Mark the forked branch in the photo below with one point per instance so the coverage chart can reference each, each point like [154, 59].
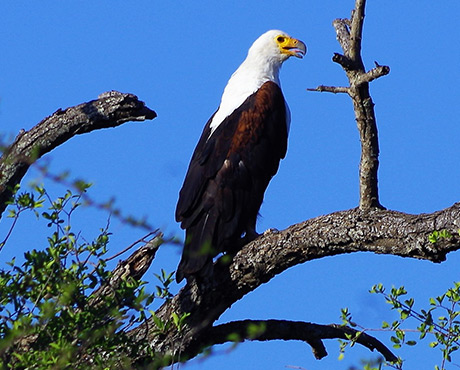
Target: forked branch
[349, 35]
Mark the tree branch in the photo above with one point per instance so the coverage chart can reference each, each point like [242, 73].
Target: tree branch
[111, 109]
[373, 74]
[349, 35]
[331, 89]
[356, 32]
[312, 334]
[135, 266]
[376, 230]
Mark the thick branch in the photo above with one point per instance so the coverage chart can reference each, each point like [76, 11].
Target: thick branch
[312, 334]
[375, 230]
[111, 109]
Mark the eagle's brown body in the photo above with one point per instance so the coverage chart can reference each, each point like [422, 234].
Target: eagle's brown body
[237, 155]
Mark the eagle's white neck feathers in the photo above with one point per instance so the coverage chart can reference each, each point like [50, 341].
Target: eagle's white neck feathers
[261, 65]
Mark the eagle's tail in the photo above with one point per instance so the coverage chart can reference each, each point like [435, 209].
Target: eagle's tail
[198, 249]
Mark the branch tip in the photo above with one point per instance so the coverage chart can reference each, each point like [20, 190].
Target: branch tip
[112, 109]
[331, 89]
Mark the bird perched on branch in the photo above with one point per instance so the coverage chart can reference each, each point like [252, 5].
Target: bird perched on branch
[237, 155]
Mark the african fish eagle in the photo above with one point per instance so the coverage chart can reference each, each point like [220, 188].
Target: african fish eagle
[237, 155]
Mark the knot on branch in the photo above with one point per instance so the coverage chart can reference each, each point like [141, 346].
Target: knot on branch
[345, 62]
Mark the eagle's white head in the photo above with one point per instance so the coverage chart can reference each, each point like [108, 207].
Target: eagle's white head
[274, 47]
[262, 64]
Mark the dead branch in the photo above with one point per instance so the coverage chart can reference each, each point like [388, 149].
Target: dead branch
[133, 267]
[331, 89]
[312, 334]
[349, 35]
[111, 109]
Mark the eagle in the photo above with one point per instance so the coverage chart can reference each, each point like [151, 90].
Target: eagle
[237, 155]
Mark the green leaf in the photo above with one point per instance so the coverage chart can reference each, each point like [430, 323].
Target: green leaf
[234, 337]
[433, 237]
[400, 334]
[175, 318]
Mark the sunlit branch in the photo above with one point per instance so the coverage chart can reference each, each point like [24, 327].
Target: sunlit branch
[111, 109]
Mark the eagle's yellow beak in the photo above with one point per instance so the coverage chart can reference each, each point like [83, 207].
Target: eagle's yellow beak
[291, 46]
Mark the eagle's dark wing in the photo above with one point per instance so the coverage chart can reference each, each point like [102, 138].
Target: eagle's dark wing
[227, 177]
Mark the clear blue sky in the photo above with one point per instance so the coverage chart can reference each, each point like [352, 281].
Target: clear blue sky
[177, 56]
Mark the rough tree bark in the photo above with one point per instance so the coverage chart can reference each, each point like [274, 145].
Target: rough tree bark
[111, 109]
[368, 227]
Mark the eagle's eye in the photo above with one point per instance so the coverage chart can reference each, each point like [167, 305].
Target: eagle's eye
[280, 39]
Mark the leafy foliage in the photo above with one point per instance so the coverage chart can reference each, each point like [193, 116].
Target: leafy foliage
[440, 321]
[437, 236]
[50, 314]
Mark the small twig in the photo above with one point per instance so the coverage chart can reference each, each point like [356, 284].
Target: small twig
[371, 75]
[342, 32]
[89, 201]
[331, 89]
[134, 267]
[2, 244]
[141, 240]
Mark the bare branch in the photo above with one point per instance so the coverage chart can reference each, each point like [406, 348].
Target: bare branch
[356, 32]
[349, 35]
[371, 75]
[343, 33]
[134, 267]
[331, 89]
[158, 237]
[312, 334]
[110, 110]
[375, 230]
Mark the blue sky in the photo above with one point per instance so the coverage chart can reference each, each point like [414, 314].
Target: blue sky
[177, 57]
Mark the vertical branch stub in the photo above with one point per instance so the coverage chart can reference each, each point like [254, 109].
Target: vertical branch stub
[349, 35]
